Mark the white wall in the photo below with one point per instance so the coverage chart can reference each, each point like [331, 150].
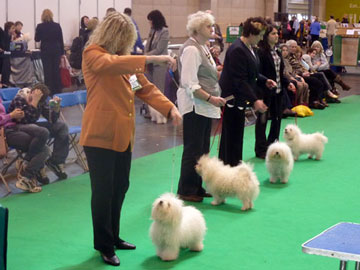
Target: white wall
[66, 12]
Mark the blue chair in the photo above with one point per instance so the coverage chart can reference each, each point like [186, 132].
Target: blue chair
[9, 93]
[6, 104]
[69, 100]
[82, 95]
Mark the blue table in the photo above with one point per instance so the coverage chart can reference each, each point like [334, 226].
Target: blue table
[341, 241]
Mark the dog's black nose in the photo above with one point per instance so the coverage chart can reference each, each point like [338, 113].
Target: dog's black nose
[161, 202]
[277, 153]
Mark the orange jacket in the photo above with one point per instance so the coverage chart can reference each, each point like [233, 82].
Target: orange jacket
[109, 118]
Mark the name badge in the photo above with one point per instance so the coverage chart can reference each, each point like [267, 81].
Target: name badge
[135, 85]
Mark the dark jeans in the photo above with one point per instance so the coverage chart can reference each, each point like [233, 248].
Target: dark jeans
[232, 136]
[275, 106]
[30, 138]
[5, 70]
[196, 136]
[316, 88]
[51, 63]
[109, 175]
[60, 132]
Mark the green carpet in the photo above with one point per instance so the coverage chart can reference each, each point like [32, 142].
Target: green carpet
[52, 229]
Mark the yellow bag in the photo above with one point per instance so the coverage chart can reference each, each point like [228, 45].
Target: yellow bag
[302, 111]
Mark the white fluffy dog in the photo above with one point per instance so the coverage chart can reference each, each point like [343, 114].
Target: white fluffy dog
[279, 162]
[312, 144]
[156, 116]
[175, 226]
[224, 181]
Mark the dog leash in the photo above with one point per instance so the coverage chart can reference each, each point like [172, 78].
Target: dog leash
[173, 159]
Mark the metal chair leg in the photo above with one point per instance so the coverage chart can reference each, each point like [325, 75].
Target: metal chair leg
[343, 265]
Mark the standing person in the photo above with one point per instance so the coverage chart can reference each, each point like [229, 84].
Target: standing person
[315, 30]
[8, 36]
[50, 35]
[272, 66]
[330, 30]
[83, 25]
[240, 78]
[157, 44]
[138, 43]
[109, 122]
[199, 101]
[18, 27]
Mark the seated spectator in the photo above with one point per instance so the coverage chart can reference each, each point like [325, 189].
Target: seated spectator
[18, 27]
[321, 63]
[301, 96]
[31, 139]
[316, 86]
[34, 105]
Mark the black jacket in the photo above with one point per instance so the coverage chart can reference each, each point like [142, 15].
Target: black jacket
[267, 68]
[51, 37]
[240, 76]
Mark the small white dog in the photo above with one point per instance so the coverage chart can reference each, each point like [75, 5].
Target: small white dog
[279, 162]
[175, 226]
[224, 181]
[156, 116]
[312, 144]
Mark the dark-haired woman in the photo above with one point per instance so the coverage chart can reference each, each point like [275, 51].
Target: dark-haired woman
[83, 25]
[272, 66]
[157, 44]
[241, 78]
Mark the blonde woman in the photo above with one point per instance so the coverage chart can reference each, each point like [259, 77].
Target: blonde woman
[321, 63]
[113, 78]
[50, 35]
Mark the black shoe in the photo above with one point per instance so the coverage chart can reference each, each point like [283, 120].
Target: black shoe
[57, 169]
[112, 260]
[42, 177]
[124, 245]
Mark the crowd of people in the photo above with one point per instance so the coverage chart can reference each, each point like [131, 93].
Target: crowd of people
[258, 72]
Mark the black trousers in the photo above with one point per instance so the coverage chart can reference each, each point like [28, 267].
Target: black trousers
[232, 135]
[196, 136]
[316, 88]
[51, 63]
[109, 175]
[275, 106]
[5, 70]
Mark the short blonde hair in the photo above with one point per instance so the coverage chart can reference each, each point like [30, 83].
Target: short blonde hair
[197, 20]
[116, 34]
[92, 24]
[47, 15]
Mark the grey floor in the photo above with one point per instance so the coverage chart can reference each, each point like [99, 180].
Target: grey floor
[152, 138]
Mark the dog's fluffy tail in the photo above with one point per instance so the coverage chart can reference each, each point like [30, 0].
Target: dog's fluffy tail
[321, 137]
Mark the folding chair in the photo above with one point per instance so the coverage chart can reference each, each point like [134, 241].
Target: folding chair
[71, 100]
[4, 217]
[8, 93]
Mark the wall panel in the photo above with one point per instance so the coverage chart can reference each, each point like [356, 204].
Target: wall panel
[2, 13]
[69, 20]
[88, 8]
[120, 5]
[25, 15]
[41, 5]
[103, 6]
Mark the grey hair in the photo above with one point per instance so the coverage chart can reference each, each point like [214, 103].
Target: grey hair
[197, 20]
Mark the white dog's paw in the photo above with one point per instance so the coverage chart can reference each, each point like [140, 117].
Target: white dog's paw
[217, 202]
[284, 181]
[168, 256]
[310, 156]
[272, 180]
[197, 247]
[245, 208]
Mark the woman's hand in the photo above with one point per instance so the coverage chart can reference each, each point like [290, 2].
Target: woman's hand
[162, 59]
[260, 106]
[17, 114]
[270, 84]
[217, 101]
[292, 87]
[175, 116]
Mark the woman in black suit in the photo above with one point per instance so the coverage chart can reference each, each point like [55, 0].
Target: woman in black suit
[271, 66]
[240, 78]
[52, 47]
